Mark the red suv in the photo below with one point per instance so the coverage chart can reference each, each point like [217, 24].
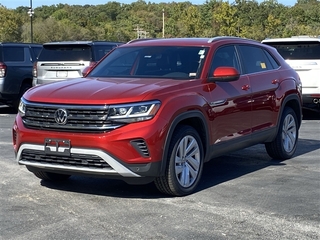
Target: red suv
[157, 110]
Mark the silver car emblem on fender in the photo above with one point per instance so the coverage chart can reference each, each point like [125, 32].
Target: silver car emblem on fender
[61, 116]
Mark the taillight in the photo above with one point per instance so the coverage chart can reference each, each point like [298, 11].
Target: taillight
[3, 69]
[34, 70]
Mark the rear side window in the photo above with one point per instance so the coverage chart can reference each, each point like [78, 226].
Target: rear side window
[297, 50]
[65, 53]
[13, 54]
[255, 59]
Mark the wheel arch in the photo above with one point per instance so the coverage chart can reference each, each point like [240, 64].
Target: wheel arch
[26, 80]
[295, 103]
[194, 119]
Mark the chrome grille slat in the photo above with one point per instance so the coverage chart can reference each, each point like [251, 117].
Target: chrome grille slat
[75, 160]
[80, 118]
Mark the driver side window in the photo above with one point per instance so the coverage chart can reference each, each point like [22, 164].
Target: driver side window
[225, 57]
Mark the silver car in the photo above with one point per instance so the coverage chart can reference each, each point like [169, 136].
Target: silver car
[68, 59]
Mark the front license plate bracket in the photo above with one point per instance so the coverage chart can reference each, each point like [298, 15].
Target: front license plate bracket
[61, 147]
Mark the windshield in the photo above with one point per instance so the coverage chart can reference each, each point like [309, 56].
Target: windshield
[65, 53]
[152, 62]
[297, 50]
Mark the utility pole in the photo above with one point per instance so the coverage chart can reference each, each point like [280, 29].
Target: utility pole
[163, 22]
[141, 33]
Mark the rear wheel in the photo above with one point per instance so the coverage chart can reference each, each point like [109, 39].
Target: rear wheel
[185, 163]
[285, 143]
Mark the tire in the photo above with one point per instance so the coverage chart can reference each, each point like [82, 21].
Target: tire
[285, 144]
[185, 163]
[54, 177]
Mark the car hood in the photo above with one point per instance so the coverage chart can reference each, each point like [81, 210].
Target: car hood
[100, 91]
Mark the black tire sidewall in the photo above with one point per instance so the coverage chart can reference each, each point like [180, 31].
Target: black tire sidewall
[179, 134]
[288, 111]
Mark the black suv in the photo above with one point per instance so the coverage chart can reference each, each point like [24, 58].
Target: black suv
[16, 61]
[68, 59]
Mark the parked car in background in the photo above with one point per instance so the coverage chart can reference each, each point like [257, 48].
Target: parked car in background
[302, 53]
[68, 59]
[157, 110]
[16, 62]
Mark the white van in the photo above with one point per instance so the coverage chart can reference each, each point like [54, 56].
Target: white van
[302, 53]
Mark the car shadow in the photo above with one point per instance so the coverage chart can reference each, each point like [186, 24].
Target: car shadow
[311, 115]
[222, 169]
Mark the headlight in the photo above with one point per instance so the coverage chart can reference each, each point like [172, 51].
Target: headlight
[135, 112]
[22, 108]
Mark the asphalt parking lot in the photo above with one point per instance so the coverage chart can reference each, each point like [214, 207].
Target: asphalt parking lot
[243, 195]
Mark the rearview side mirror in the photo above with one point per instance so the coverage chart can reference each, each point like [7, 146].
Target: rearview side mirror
[224, 74]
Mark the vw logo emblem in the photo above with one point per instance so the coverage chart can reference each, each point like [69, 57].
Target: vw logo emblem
[61, 116]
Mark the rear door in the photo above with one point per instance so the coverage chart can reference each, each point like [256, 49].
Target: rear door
[261, 69]
[19, 67]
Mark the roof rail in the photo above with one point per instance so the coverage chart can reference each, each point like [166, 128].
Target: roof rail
[221, 37]
[139, 40]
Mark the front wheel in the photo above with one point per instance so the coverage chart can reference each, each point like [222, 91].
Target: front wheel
[185, 163]
[285, 144]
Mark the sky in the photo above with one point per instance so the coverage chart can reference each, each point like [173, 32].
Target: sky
[12, 4]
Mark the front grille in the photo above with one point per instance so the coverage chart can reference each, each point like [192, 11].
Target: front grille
[79, 118]
[74, 160]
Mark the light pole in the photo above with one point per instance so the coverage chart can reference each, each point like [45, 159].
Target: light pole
[163, 23]
[31, 12]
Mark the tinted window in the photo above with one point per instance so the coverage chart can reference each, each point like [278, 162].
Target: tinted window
[168, 62]
[254, 59]
[13, 54]
[297, 50]
[225, 56]
[273, 62]
[65, 53]
[101, 50]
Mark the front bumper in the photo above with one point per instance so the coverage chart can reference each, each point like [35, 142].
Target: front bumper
[115, 153]
[87, 161]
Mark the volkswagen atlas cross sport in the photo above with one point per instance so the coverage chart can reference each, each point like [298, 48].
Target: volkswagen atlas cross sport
[157, 110]
[302, 53]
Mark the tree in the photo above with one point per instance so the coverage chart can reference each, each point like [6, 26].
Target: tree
[10, 25]
[225, 16]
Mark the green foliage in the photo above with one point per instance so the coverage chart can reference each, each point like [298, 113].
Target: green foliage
[10, 23]
[123, 22]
